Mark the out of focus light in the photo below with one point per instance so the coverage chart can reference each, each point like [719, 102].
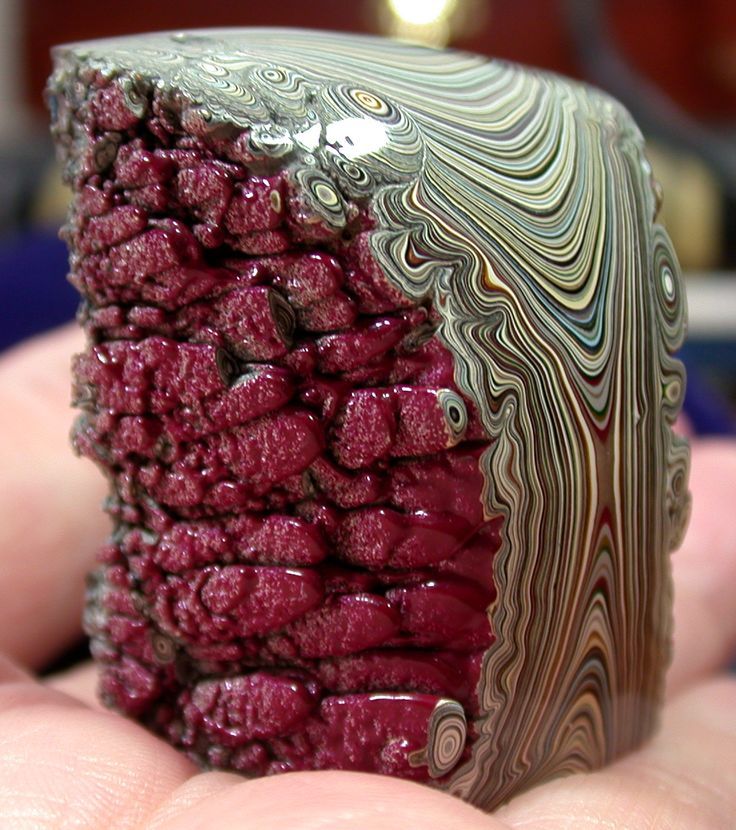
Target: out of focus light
[422, 12]
[432, 22]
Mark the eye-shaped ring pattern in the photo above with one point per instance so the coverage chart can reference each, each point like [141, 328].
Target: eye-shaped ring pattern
[321, 197]
[456, 413]
[448, 732]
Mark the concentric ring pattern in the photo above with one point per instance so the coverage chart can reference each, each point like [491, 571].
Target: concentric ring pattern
[522, 205]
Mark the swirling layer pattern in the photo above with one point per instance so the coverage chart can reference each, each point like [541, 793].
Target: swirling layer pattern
[522, 205]
[447, 733]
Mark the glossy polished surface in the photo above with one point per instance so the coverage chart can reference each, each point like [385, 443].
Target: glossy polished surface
[522, 207]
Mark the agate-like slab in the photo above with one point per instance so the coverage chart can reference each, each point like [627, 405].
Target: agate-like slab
[381, 372]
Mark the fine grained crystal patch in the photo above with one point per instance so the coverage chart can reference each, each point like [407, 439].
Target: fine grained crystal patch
[380, 372]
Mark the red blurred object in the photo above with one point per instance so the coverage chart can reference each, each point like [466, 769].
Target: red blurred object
[688, 49]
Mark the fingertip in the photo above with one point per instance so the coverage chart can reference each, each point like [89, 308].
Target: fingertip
[704, 569]
[324, 800]
[79, 682]
[50, 517]
[11, 672]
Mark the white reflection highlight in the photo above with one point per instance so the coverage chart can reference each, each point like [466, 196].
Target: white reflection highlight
[309, 139]
[356, 137]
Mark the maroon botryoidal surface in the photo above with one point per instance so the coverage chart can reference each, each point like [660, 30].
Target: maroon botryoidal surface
[300, 569]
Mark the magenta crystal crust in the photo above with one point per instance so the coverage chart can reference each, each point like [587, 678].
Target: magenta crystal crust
[301, 566]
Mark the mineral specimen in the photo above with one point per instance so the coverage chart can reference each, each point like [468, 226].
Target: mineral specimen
[380, 373]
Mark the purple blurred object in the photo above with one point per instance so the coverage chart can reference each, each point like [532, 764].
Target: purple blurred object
[34, 294]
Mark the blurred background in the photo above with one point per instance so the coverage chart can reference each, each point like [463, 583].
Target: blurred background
[672, 62]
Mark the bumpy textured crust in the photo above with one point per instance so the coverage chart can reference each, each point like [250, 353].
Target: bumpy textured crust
[522, 206]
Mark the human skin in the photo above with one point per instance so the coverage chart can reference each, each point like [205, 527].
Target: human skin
[66, 762]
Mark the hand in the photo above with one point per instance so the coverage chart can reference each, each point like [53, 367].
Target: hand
[65, 762]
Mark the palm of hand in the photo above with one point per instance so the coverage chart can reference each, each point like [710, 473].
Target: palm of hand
[65, 762]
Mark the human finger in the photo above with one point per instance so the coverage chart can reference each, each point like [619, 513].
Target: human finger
[79, 682]
[50, 517]
[63, 764]
[325, 800]
[704, 570]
